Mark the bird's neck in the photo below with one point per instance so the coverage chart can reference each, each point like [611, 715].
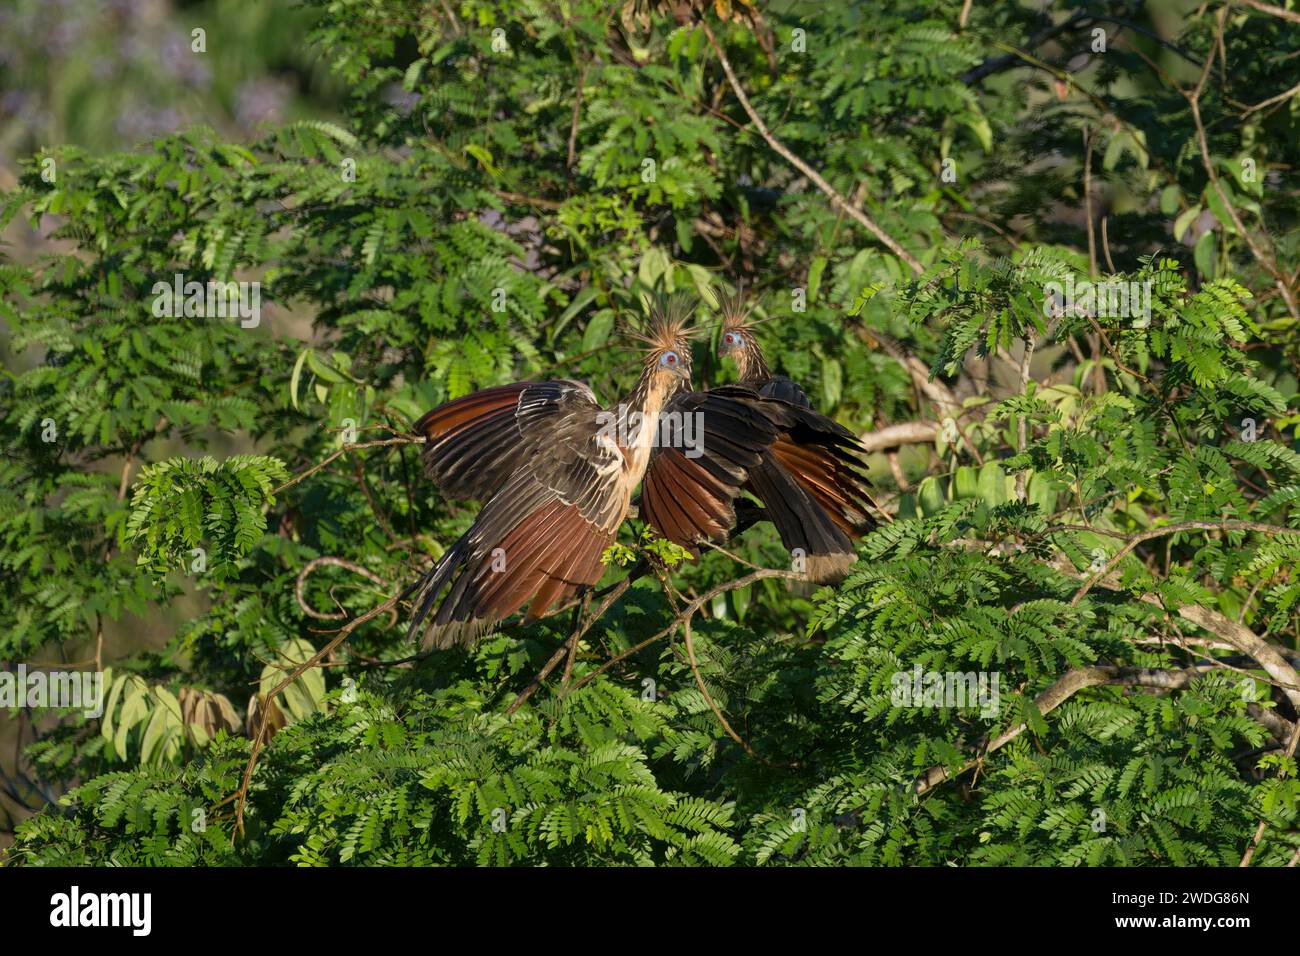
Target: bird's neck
[750, 365]
[640, 420]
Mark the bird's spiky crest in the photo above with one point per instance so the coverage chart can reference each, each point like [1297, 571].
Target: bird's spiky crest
[735, 311]
[668, 326]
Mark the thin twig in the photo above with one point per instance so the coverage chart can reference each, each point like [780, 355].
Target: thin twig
[1265, 257]
[1022, 423]
[356, 446]
[329, 561]
[836, 197]
[260, 737]
[613, 594]
[1284, 95]
[1105, 244]
[1167, 530]
[579, 615]
[1087, 202]
[577, 113]
[708, 698]
[683, 619]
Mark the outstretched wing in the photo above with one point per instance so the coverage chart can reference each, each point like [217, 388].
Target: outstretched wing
[829, 462]
[808, 471]
[540, 536]
[711, 443]
[475, 443]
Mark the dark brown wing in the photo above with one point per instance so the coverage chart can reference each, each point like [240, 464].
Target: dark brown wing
[540, 536]
[807, 470]
[807, 529]
[813, 483]
[829, 462]
[475, 443]
[713, 440]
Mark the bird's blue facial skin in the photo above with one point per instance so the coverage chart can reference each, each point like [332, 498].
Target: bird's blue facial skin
[732, 340]
[671, 361]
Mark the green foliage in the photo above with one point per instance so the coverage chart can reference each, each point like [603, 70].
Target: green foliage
[488, 211]
[666, 552]
[183, 502]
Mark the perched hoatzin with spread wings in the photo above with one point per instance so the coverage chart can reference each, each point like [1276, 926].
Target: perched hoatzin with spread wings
[546, 460]
[556, 472]
[813, 478]
[807, 470]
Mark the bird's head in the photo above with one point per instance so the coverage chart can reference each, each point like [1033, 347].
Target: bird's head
[737, 325]
[667, 341]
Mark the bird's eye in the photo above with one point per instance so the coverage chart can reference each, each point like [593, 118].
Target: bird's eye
[731, 338]
[669, 360]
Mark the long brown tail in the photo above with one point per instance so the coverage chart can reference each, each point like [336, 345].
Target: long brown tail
[522, 549]
[808, 530]
[835, 477]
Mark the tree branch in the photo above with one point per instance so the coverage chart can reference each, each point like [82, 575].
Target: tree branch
[1273, 11]
[836, 197]
[1167, 530]
[260, 737]
[902, 433]
[1265, 257]
[1237, 635]
[356, 446]
[329, 561]
[1062, 690]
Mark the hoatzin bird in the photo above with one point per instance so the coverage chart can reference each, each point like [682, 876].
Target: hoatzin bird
[556, 474]
[813, 479]
[810, 475]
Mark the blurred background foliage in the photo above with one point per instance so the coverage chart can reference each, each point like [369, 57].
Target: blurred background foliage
[114, 74]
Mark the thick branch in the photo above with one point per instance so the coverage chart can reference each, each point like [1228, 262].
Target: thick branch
[903, 433]
[1056, 695]
[1245, 640]
[933, 389]
[1270, 659]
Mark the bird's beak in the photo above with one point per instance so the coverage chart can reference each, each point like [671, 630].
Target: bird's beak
[682, 372]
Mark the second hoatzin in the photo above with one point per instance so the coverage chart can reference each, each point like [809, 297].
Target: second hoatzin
[820, 458]
[811, 478]
[556, 474]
